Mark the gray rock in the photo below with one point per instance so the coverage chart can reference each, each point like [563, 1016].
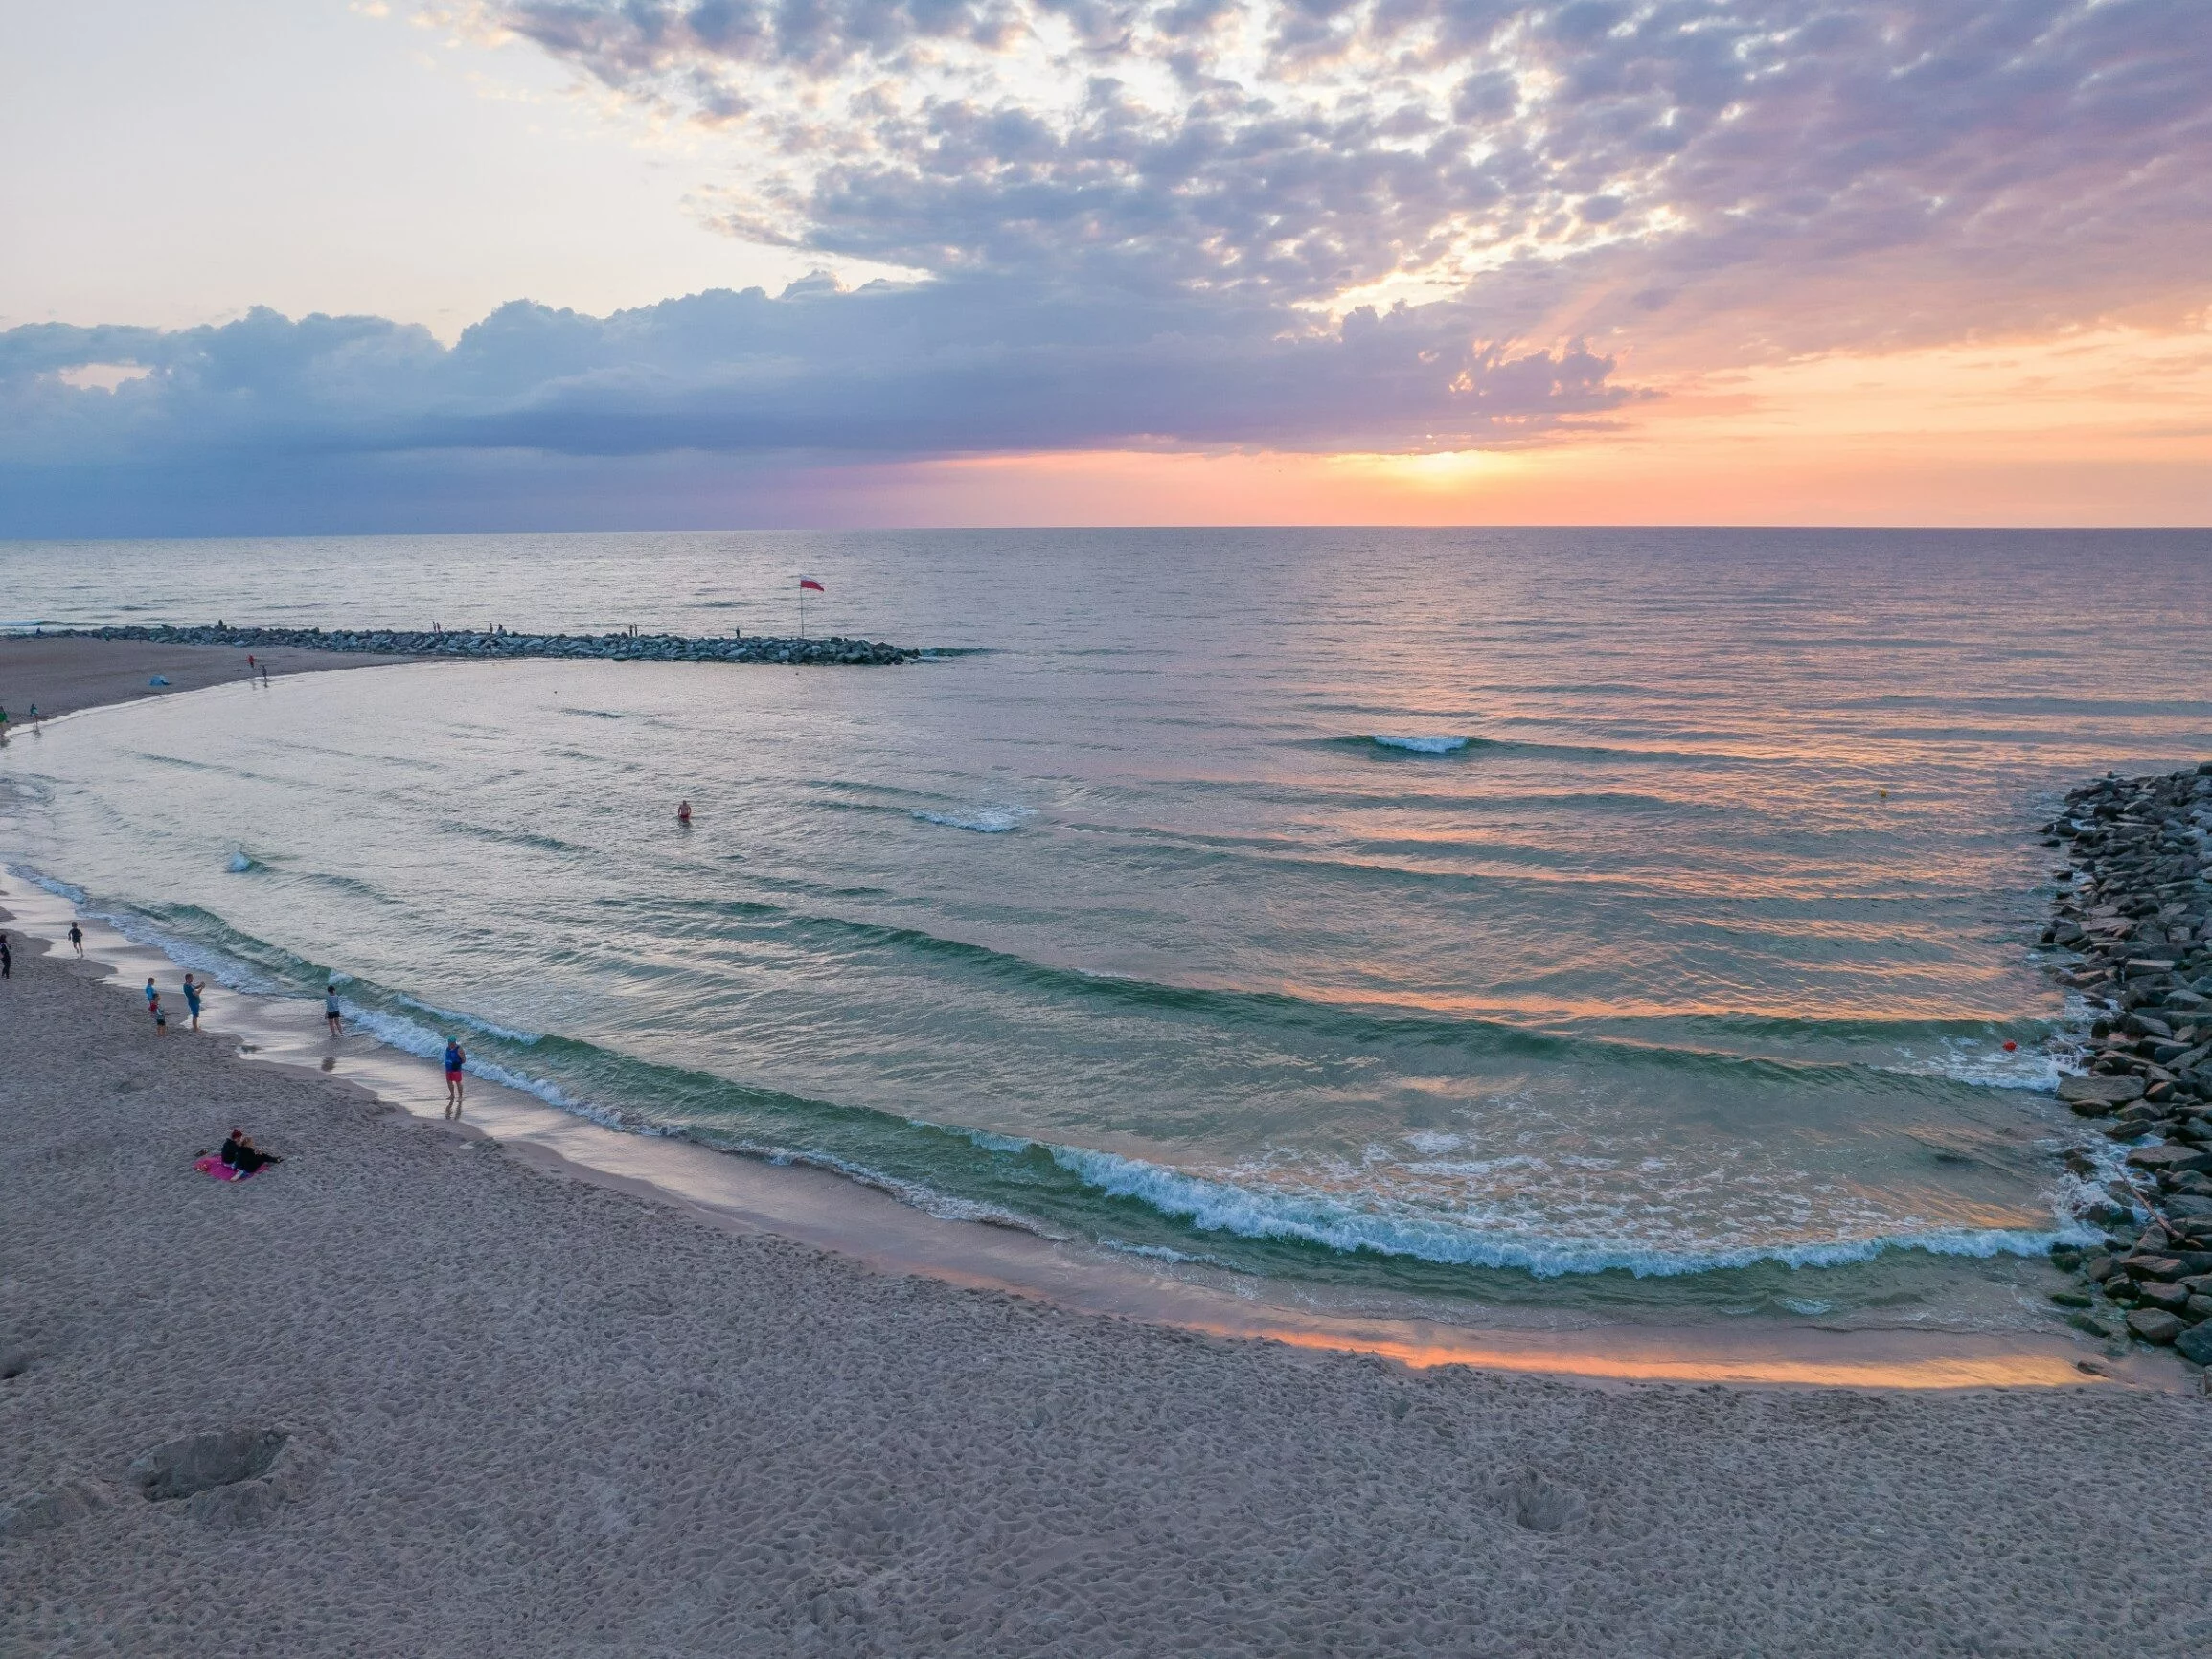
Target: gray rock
[2161, 1267]
[2169, 1158]
[2104, 1091]
[2172, 1298]
[2195, 1344]
[2154, 1325]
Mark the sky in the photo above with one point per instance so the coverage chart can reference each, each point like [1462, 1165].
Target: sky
[278, 267]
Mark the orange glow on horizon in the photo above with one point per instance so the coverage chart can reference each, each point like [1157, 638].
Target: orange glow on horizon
[2110, 428]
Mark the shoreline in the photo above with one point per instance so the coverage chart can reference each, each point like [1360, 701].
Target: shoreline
[846, 1213]
[60, 674]
[847, 1217]
[395, 1394]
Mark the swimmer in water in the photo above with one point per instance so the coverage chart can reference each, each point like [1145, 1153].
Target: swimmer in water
[683, 811]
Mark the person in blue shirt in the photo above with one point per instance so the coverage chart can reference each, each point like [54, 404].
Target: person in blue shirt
[456, 1056]
[191, 994]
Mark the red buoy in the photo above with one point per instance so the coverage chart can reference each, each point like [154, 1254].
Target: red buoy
[2010, 1045]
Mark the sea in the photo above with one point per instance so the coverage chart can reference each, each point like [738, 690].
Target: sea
[1586, 925]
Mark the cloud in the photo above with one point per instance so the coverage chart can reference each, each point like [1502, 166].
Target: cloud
[971, 365]
[2001, 163]
[1383, 225]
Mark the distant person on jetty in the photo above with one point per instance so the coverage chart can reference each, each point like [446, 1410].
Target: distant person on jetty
[192, 996]
[333, 1016]
[77, 939]
[456, 1056]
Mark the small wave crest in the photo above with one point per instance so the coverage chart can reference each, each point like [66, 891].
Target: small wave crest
[239, 863]
[1420, 745]
[987, 821]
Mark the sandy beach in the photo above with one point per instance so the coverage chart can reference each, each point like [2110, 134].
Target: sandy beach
[529, 1415]
[63, 675]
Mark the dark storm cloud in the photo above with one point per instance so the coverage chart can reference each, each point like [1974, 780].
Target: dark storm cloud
[971, 365]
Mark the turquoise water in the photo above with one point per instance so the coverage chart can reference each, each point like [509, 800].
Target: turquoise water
[1620, 920]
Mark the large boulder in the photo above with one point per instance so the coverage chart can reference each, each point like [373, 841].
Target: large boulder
[2103, 1093]
[2170, 1159]
[2154, 1325]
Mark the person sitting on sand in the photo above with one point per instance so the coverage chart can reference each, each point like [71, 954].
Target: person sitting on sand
[332, 1014]
[241, 1154]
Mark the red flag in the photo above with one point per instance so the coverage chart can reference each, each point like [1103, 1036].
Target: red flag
[810, 582]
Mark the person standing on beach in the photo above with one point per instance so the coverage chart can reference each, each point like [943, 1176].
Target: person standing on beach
[7, 959]
[160, 1018]
[332, 1014]
[77, 939]
[191, 993]
[153, 996]
[456, 1056]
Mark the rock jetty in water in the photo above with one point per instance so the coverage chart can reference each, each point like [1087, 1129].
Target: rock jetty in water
[2133, 916]
[624, 648]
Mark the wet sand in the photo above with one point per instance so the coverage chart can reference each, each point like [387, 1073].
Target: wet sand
[527, 1414]
[63, 675]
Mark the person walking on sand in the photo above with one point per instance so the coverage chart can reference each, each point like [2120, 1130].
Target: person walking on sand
[456, 1056]
[191, 994]
[332, 1014]
[77, 939]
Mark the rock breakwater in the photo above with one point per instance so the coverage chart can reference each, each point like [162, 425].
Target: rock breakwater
[628, 647]
[2133, 922]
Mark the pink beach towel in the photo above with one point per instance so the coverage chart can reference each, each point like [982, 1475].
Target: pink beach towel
[211, 1165]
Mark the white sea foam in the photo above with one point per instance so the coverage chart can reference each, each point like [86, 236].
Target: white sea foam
[447, 1016]
[1985, 1065]
[1217, 1206]
[914, 1195]
[984, 821]
[202, 959]
[1419, 746]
